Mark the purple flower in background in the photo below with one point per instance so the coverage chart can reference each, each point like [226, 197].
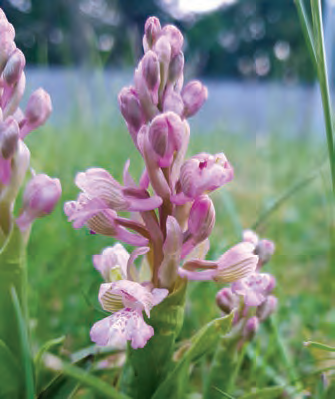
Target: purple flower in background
[254, 288]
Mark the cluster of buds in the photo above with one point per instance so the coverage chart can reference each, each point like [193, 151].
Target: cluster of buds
[171, 212]
[250, 297]
[42, 192]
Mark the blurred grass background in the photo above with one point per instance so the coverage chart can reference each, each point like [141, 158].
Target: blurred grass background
[64, 284]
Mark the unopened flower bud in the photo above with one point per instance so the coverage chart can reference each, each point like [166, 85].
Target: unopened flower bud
[131, 109]
[250, 328]
[268, 307]
[7, 45]
[174, 37]
[173, 102]
[176, 67]
[163, 50]
[152, 30]
[39, 199]
[194, 95]
[151, 74]
[11, 98]
[264, 249]
[227, 300]
[9, 137]
[38, 110]
[250, 236]
[166, 136]
[14, 67]
[201, 219]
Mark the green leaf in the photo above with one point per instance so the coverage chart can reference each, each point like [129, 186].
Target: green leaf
[146, 368]
[45, 348]
[10, 372]
[318, 345]
[25, 348]
[12, 274]
[204, 341]
[61, 389]
[265, 393]
[63, 386]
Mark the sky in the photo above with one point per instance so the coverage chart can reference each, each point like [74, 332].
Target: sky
[182, 8]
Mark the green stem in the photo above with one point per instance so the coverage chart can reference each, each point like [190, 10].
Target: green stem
[323, 81]
[306, 30]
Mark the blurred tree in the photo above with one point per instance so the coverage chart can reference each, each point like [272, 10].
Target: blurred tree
[255, 39]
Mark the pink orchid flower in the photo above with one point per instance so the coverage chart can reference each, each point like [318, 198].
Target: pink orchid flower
[201, 174]
[126, 300]
[235, 264]
[112, 263]
[254, 288]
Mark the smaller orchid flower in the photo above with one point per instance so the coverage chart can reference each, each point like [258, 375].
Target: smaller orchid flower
[39, 199]
[126, 300]
[254, 288]
[201, 174]
[112, 263]
[236, 263]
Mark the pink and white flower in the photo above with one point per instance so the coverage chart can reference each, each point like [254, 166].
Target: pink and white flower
[202, 174]
[254, 288]
[236, 263]
[112, 263]
[126, 300]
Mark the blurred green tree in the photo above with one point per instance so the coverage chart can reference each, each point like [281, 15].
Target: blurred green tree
[257, 39]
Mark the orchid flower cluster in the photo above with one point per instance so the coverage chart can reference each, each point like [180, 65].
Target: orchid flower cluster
[42, 192]
[250, 297]
[171, 212]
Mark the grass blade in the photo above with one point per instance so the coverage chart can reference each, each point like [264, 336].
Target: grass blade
[25, 348]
